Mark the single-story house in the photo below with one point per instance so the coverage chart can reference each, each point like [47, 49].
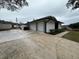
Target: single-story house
[45, 24]
[5, 25]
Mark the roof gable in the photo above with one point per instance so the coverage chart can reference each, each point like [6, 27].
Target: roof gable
[46, 19]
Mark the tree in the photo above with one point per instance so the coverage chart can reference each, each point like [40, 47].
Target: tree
[13, 4]
[74, 25]
[73, 3]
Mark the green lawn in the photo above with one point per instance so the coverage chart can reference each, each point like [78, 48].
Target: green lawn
[73, 35]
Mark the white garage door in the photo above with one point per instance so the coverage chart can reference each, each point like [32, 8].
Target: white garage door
[41, 26]
[33, 26]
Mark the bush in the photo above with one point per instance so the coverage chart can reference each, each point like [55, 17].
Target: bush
[56, 31]
[74, 25]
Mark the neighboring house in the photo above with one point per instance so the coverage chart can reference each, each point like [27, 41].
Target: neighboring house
[5, 25]
[45, 24]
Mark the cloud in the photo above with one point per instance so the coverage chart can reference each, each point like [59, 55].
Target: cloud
[41, 8]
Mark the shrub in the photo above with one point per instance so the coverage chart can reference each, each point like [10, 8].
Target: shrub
[56, 31]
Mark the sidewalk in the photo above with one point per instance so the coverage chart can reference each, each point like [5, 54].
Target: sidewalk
[62, 34]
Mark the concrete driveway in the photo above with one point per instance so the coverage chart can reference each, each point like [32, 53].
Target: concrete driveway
[38, 45]
[11, 35]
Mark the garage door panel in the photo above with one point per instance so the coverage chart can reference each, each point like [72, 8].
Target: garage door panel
[33, 26]
[41, 26]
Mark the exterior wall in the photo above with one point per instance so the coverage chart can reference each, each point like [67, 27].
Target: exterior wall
[33, 26]
[59, 26]
[50, 25]
[41, 26]
[5, 26]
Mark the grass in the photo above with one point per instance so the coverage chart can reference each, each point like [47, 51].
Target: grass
[73, 35]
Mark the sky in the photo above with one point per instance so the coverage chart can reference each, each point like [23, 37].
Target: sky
[41, 8]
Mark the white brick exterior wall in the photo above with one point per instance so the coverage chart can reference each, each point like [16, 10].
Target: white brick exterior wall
[50, 25]
[59, 26]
